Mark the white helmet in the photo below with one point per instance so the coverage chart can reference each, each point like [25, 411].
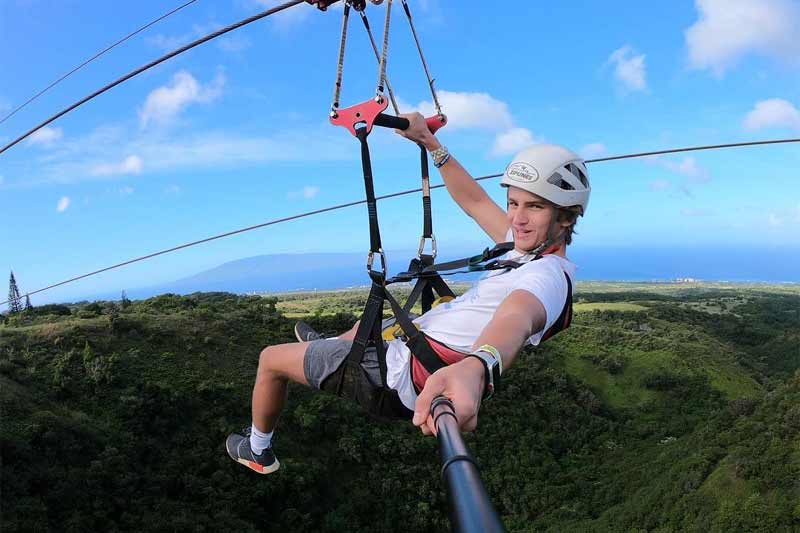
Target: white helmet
[552, 172]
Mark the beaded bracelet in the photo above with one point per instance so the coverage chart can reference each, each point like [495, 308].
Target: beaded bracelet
[442, 161]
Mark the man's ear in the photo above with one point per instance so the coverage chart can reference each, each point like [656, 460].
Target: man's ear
[566, 217]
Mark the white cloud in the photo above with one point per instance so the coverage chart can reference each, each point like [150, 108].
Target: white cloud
[171, 42]
[470, 110]
[629, 68]
[289, 18]
[660, 185]
[105, 152]
[592, 150]
[774, 112]
[63, 204]
[164, 103]
[234, 43]
[132, 164]
[126, 191]
[686, 167]
[172, 189]
[478, 111]
[512, 141]
[693, 212]
[231, 42]
[45, 136]
[216, 149]
[729, 29]
[780, 217]
[307, 192]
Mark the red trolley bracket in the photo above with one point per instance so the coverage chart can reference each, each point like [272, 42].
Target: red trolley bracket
[361, 115]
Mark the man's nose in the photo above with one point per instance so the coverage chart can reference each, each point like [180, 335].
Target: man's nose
[520, 217]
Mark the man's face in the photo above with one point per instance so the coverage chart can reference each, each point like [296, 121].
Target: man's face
[529, 216]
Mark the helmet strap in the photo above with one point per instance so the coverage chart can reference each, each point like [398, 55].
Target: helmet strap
[551, 243]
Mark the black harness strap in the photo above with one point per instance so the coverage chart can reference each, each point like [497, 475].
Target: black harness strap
[565, 318]
[416, 341]
[372, 205]
[427, 224]
[369, 329]
[487, 260]
[427, 287]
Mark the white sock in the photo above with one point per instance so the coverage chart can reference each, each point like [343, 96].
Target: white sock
[259, 440]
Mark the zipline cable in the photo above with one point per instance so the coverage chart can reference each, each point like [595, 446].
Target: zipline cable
[384, 197]
[98, 54]
[691, 149]
[152, 64]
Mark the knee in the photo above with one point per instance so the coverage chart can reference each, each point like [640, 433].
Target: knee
[266, 361]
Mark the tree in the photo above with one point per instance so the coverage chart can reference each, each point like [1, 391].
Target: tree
[28, 305]
[14, 305]
[125, 301]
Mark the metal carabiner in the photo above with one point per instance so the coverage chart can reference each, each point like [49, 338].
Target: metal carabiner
[371, 259]
[422, 246]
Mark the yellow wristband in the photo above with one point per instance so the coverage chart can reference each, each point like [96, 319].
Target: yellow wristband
[488, 348]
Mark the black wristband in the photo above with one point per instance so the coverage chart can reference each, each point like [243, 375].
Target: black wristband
[488, 389]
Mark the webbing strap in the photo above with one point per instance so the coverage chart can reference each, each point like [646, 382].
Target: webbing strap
[417, 341]
[427, 224]
[426, 286]
[564, 319]
[369, 332]
[372, 206]
[475, 263]
[487, 254]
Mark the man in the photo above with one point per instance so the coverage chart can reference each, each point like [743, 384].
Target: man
[487, 326]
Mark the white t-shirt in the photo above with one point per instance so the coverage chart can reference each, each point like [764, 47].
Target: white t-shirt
[458, 323]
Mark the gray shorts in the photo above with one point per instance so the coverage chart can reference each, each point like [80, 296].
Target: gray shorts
[326, 368]
[324, 357]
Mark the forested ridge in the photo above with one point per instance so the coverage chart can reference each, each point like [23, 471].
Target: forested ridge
[657, 411]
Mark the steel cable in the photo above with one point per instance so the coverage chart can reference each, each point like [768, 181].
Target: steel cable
[98, 54]
[152, 64]
[384, 197]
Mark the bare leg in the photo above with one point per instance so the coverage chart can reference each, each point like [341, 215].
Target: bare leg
[351, 333]
[277, 365]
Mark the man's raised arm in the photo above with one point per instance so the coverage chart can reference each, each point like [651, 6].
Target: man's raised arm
[467, 193]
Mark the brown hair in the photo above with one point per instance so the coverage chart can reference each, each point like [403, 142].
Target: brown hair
[568, 214]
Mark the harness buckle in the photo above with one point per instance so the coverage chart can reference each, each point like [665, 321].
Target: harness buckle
[371, 259]
[422, 246]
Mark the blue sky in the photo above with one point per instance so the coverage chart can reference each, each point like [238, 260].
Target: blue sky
[235, 132]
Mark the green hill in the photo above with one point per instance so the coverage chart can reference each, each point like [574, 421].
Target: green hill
[662, 409]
